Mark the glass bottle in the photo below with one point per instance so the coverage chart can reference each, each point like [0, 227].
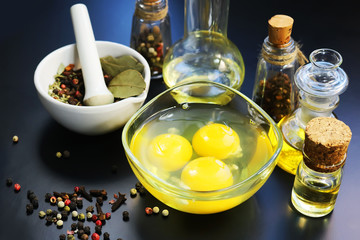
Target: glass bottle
[320, 83]
[150, 33]
[315, 191]
[274, 88]
[205, 53]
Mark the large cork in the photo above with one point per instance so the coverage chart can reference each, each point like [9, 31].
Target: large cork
[326, 143]
[280, 27]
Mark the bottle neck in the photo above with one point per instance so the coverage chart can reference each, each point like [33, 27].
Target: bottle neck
[206, 15]
[279, 54]
[151, 10]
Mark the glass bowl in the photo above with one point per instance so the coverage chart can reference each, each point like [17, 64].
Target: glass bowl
[183, 110]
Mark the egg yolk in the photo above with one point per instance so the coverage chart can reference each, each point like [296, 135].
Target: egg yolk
[216, 140]
[169, 152]
[206, 174]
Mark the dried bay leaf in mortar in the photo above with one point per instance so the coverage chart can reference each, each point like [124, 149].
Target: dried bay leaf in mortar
[128, 83]
[114, 66]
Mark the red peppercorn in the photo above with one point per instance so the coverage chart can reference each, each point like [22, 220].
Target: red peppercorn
[67, 202]
[94, 218]
[77, 94]
[63, 86]
[108, 215]
[95, 236]
[76, 189]
[148, 210]
[98, 222]
[75, 81]
[17, 187]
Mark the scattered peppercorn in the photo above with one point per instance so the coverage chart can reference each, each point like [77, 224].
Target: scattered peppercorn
[81, 217]
[58, 154]
[53, 200]
[64, 215]
[108, 215]
[15, 139]
[106, 236]
[29, 208]
[89, 215]
[74, 214]
[61, 204]
[47, 197]
[125, 215]
[94, 218]
[59, 223]
[76, 189]
[156, 210]
[80, 232]
[95, 236]
[67, 208]
[85, 236]
[17, 187]
[98, 229]
[66, 154]
[98, 223]
[142, 191]
[72, 206]
[87, 230]
[138, 185]
[133, 192]
[148, 210]
[62, 237]
[42, 214]
[79, 203]
[9, 182]
[80, 225]
[71, 237]
[165, 212]
[48, 212]
[67, 202]
[59, 216]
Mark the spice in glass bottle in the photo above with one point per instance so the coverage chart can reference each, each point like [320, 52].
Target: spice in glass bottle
[318, 176]
[280, 57]
[150, 32]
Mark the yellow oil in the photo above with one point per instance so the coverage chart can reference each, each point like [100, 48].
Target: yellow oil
[290, 157]
[255, 151]
[313, 199]
[214, 61]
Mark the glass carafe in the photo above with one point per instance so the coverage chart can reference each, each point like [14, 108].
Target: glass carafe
[320, 83]
[205, 53]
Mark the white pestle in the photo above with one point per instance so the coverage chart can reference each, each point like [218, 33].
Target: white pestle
[96, 92]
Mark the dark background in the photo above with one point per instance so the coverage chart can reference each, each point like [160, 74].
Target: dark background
[32, 29]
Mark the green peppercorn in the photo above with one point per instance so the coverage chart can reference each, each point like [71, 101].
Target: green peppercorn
[15, 139]
[67, 208]
[42, 214]
[133, 192]
[81, 217]
[48, 212]
[58, 154]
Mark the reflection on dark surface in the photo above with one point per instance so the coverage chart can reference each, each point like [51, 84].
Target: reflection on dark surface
[91, 157]
[237, 223]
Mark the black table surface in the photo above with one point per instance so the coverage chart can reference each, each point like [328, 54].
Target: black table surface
[32, 29]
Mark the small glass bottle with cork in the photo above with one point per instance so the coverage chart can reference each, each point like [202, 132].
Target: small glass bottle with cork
[150, 33]
[319, 174]
[280, 57]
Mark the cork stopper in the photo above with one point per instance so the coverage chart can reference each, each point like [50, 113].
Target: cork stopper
[326, 143]
[280, 27]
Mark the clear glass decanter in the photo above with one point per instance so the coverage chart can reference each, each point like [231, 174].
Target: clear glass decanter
[320, 83]
[205, 52]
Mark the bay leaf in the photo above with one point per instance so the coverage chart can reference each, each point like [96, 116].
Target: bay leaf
[128, 83]
[114, 66]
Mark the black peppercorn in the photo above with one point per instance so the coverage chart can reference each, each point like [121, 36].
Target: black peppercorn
[80, 233]
[64, 215]
[62, 237]
[72, 206]
[79, 203]
[66, 154]
[98, 229]
[73, 226]
[87, 230]
[29, 208]
[35, 202]
[125, 215]
[80, 225]
[106, 236]
[30, 194]
[47, 197]
[142, 191]
[138, 185]
[9, 182]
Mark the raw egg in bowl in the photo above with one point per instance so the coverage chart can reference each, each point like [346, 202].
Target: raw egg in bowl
[202, 153]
